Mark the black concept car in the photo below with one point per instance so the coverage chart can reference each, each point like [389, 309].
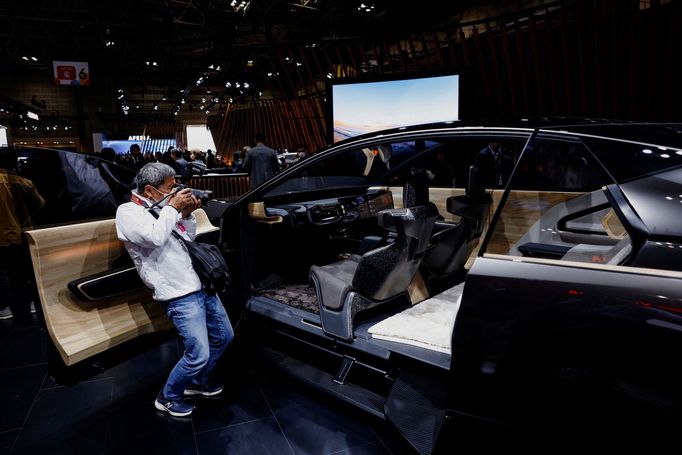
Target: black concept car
[470, 285]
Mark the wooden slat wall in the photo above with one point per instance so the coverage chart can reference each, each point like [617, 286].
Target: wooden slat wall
[222, 186]
[285, 124]
[567, 58]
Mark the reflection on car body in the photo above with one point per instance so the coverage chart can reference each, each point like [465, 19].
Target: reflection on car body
[563, 280]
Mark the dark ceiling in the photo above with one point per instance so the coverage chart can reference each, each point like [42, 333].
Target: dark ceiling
[162, 41]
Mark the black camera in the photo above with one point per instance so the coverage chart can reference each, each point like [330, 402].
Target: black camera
[203, 195]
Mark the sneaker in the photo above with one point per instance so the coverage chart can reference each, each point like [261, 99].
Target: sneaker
[33, 308]
[6, 313]
[176, 408]
[205, 390]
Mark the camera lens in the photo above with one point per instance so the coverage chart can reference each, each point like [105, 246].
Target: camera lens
[203, 195]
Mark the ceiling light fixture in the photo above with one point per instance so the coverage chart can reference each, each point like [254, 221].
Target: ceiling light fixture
[366, 7]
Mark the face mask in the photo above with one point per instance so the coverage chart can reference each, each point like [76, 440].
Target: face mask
[166, 198]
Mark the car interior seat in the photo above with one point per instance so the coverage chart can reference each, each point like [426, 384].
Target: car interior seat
[378, 276]
[451, 244]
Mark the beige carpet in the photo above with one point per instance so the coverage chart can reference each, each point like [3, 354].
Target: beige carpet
[427, 325]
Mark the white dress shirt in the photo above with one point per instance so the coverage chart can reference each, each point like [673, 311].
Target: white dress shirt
[159, 257]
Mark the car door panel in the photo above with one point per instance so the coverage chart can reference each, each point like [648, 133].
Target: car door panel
[537, 343]
[77, 328]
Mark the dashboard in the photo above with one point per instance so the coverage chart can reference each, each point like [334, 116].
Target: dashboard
[338, 210]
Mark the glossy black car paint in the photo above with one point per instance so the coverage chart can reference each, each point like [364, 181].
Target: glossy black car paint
[557, 349]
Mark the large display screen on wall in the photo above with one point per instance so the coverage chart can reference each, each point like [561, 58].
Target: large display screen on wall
[359, 108]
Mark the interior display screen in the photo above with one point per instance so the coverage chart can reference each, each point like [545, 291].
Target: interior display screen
[367, 206]
[359, 108]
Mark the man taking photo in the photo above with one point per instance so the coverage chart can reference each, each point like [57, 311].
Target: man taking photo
[164, 265]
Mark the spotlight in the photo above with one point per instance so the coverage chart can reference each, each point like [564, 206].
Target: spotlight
[246, 85]
[34, 59]
[24, 58]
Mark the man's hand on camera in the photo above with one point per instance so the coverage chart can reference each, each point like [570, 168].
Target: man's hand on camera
[195, 204]
[184, 202]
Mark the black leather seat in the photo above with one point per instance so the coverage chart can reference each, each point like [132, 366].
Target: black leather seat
[346, 287]
[452, 243]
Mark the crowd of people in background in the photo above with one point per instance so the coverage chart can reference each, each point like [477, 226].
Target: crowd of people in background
[259, 161]
[185, 162]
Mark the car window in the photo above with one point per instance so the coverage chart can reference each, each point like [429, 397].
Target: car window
[362, 166]
[75, 187]
[447, 161]
[564, 205]
[630, 160]
[556, 208]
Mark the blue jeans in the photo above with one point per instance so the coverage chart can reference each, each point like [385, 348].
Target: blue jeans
[205, 330]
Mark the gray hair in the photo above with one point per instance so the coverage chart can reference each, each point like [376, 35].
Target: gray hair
[153, 174]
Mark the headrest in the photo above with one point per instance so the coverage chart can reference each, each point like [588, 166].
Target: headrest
[414, 222]
[416, 188]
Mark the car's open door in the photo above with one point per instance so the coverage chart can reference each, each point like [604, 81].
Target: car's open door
[90, 299]
[86, 324]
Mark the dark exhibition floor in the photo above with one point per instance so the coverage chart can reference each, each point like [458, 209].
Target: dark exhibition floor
[259, 412]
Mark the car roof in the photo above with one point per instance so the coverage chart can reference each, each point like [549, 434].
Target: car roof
[665, 134]
[669, 134]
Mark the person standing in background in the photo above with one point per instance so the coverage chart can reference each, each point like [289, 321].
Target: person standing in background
[19, 201]
[136, 160]
[261, 162]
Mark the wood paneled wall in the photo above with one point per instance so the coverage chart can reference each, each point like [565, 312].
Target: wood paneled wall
[582, 58]
[285, 124]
